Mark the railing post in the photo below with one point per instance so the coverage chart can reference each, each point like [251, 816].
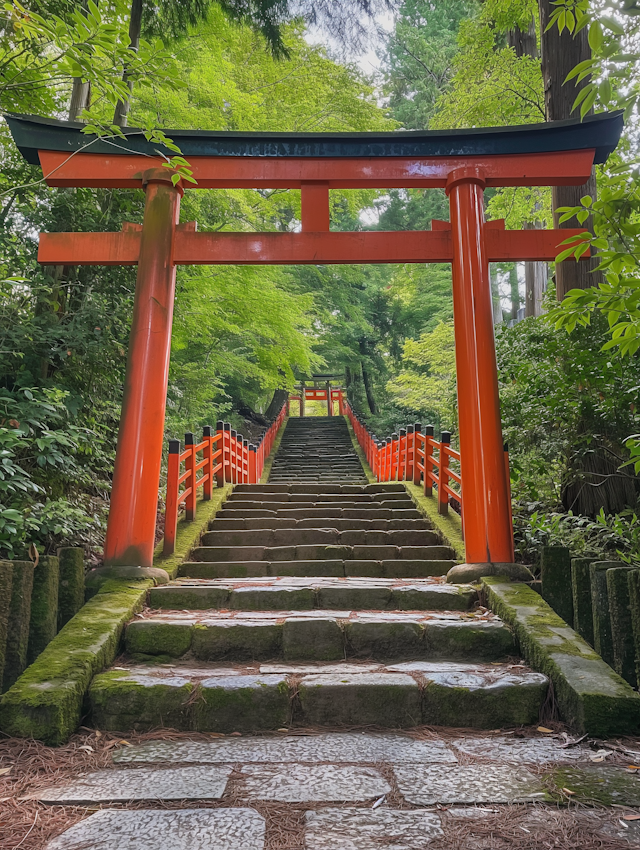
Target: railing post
[233, 450]
[395, 442]
[428, 460]
[207, 454]
[411, 453]
[443, 476]
[245, 461]
[171, 502]
[417, 428]
[190, 466]
[387, 459]
[226, 453]
[378, 456]
[220, 448]
[402, 455]
[253, 464]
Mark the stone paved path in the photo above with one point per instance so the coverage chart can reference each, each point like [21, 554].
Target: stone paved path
[353, 791]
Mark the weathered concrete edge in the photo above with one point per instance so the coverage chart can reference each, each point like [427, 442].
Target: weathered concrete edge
[591, 697]
[361, 455]
[189, 533]
[266, 469]
[449, 526]
[46, 701]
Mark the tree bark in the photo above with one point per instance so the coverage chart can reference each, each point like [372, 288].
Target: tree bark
[515, 293]
[535, 278]
[366, 379]
[135, 27]
[524, 41]
[560, 53]
[495, 296]
[279, 398]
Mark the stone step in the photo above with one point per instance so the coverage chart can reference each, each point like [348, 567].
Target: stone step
[365, 508]
[229, 511]
[320, 636]
[395, 568]
[298, 594]
[260, 698]
[312, 498]
[320, 552]
[271, 522]
[317, 536]
[335, 489]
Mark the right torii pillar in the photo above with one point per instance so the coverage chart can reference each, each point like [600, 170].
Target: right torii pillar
[486, 504]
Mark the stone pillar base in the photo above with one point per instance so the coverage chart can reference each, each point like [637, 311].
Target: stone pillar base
[97, 577]
[470, 573]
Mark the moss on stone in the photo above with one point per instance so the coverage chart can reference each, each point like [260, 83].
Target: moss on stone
[467, 641]
[188, 534]
[43, 625]
[449, 526]
[18, 627]
[621, 624]
[71, 583]
[633, 579]
[252, 705]
[602, 635]
[555, 571]
[312, 639]
[152, 637]
[385, 641]
[581, 588]
[46, 701]
[607, 785]
[239, 641]
[178, 597]
[482, 708]
[6, 580]
[591, 696]
[121, 702]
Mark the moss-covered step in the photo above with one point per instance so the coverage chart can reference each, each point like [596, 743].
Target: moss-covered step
[317, 536]
[324, 489]
[6, 581]
[71, 583]
[256, 698]
[591, 696]
[330, 567]
[46, 701]
[290, 593]
[319, 636]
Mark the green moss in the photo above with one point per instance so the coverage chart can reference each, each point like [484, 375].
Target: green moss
[604, 784]
[385, 641]
[19, 617]
[602, 635]
[582, 608]
[121, 702]
[183, 597]
[591, 696]
[633, 578]
[6, 581]
[238, 641]
[156, 638]
[251, 706]
[449, 526]
[46, 701]
[467, 641]
[371, 478]
[555, 569]
[71, 584]
[621, 624]
[188, 534]
[43, 624]
[482, 708]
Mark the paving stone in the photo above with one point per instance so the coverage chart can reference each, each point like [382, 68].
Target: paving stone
[304, 783]
[114, 786]
[366, 829]
[605, 784]
[148, 829]
[348, 747]
[425, 785]
[520, 750]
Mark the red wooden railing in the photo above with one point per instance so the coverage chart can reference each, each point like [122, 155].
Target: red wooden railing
[223, 456]
[411, 455]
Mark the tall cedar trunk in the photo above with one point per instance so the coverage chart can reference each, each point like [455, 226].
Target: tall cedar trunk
[495, 295]
[366, 379]
[135, 27]
[560, 54]
[535, 273]
[515, 293]
[279, 398]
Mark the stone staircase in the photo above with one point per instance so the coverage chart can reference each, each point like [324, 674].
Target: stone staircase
[317, 599]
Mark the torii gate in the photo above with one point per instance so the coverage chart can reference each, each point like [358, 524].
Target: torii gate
[463, 162]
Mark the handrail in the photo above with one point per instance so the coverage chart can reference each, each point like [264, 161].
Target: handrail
[410, 455]
[226, 458]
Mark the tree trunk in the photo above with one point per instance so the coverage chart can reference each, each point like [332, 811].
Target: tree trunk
[80, 98]
[560, 54]
[279, 398]
[135, 27]
[524, 41]
[495, 295]
[515, 293]
[366, 379]
[535, 278]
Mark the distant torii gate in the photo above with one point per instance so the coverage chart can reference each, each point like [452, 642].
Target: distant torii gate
[463, 162]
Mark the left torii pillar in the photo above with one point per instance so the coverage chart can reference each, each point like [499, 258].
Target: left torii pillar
[129, 543]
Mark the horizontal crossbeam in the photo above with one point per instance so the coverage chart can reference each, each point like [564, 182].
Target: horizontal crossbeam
[566, 168]
[191, 248]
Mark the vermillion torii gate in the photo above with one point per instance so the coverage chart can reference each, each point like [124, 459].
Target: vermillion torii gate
[463, 162]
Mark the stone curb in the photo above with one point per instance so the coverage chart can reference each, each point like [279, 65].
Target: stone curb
[592, 698]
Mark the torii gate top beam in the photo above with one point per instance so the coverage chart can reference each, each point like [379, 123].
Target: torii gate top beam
[530, 155]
